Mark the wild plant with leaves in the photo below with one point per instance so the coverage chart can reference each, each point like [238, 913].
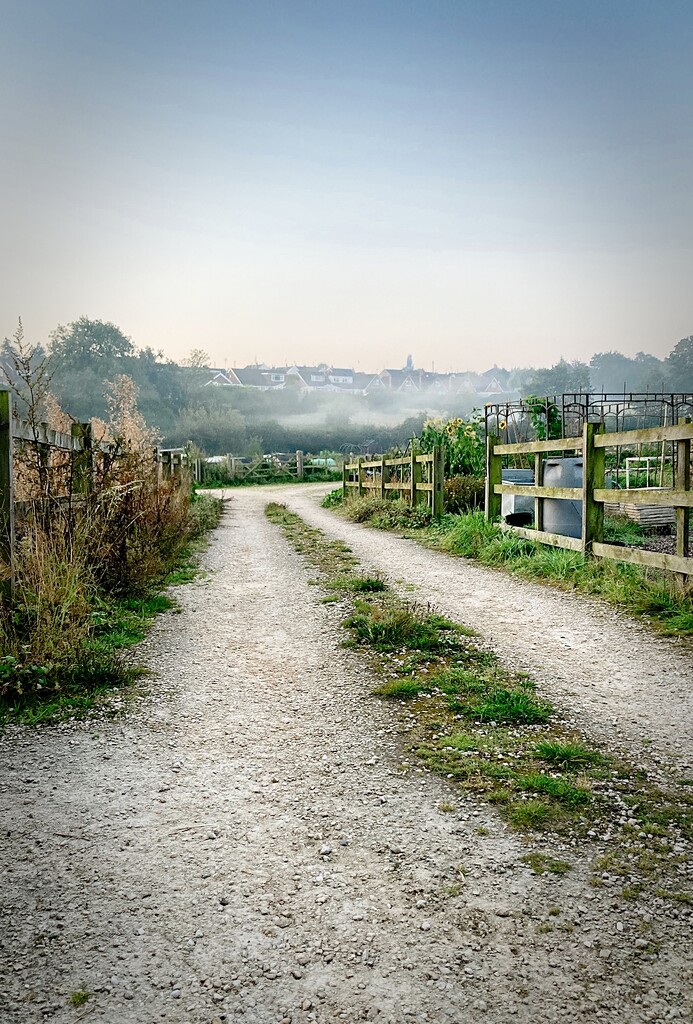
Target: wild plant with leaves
[462, 441]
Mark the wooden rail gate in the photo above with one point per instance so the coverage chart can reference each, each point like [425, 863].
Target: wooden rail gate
[381, 477]
[594, 494]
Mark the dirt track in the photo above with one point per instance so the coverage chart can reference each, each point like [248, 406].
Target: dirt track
[245, 841]
[618, 679]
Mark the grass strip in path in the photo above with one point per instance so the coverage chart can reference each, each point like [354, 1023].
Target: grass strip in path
[487, 730]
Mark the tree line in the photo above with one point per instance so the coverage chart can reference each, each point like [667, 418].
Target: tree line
[85, 354]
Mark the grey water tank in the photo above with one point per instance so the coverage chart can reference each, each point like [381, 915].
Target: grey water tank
[511, 503]
[561, 515]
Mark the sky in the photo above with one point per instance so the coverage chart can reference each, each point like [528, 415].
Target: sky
[472, 182]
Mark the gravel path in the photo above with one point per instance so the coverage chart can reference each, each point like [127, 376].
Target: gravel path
[615, 675]
[245, 842]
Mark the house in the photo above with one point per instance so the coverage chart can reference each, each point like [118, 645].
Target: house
[223, 378]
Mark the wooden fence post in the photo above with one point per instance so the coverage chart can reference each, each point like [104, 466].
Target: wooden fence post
[494, 475]
[6, 494]
[538, 482]
[593, 477]
[299, 465]
[417, 477]
[683, 483]
[359, 463]
[83, 464]
[383, 492]
[438, 480]
[412, 477]
[344, 477]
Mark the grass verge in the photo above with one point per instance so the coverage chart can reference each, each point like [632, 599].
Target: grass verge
[93, 666]
[495, 739]
[638, 590]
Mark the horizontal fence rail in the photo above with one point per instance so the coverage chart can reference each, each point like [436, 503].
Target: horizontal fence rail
[81, 448]
[594, 494]
[415, 478]
[265, 468]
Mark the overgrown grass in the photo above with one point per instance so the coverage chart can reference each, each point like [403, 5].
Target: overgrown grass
[76, 630]
[488, 732]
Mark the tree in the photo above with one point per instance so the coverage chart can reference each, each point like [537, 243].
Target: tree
[79, 344]
[197, 358]
[611, 371]
[679, 366]
[562, 377]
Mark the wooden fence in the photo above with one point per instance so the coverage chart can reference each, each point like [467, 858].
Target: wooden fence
[381, 477]
[593, 495]
[265, 468]
[81, 447]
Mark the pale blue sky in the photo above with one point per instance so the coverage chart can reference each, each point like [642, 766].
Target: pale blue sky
[471, 182]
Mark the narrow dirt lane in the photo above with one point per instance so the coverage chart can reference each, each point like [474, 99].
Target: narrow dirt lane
[618, 679]
[246, 843]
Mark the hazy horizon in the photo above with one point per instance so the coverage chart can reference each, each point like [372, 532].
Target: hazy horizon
[472, 183]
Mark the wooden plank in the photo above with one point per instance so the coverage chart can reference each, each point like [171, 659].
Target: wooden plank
[560, 444]
[83, 460]
[424, 458]
[538, 483]
[554, 540]
[532, 491]
[676, 432]
[416, 478]
[593, 473]
[7, 537]
[647, 496]
[43, 434]
[651, 559]
[397, 486]
[398, 462]
[494, 479]
[683, 483]
[438, 481]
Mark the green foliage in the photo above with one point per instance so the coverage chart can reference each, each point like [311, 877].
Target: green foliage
[679, 365]
[562, 791]
[462, 441]
[464, 493]
[560, 378]
[507, 707]
[622, 530]
[368, 585]
[530, 814]
[639, 590]
[334, 499]
[398, 625]
[387, 514]
[567, 755]
[545, 417]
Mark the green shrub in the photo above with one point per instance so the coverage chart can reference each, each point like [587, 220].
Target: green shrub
[334, 499]
[386, 514]
[464, 493]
